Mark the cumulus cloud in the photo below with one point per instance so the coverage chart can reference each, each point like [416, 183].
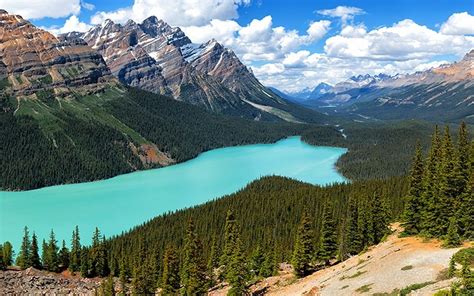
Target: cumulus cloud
[36, 9]
[459, 24]
[72, 24]
[404, 40]
[87, 6]
[345, 13]
[176, 13]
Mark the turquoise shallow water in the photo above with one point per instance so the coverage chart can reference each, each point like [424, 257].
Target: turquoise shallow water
[117, 204]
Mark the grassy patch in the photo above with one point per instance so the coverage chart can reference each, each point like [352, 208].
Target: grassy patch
[405, 291]
[345, 287]
[393, 293]
[408, 267]
[4, 83]
[364, 288]
[354, 275]
[361, 261]
[465, 255]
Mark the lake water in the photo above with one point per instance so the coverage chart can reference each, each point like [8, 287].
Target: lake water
[117, 204]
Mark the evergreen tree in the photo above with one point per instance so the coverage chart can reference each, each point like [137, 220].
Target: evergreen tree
[328, 237]
[430, 196]
[35, 258]
[452, 268]
[44, 255]
[23, 259]
[365, 223]
[193, 272]
[269, 265]
[213, 261]
[53, 264]
[123, 279]
[256, 261]
[413, 205]
[142, 281]
[352, 241]
[304, 247]
[64, 256]
[170, 274]
[230, 240]
[467, 276]
[452, 238]
[237, 272]
[75, 255]
[381, 217]
[85, 267]
[3, 265]
[448, 185]
[107, 287]
[8, 253]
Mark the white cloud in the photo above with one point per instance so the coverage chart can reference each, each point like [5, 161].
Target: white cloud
[296, 59]
[224, 31]
[404, 40]
[459, 24]
[346, 13]
[36, 9]
[88, 6]
[72, 24]
[176, 12]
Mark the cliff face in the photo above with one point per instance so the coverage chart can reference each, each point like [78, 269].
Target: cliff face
[32, 59]
[159, 58]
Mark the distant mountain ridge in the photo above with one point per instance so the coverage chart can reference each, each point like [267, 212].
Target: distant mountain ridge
[159, 58]
[441, 93]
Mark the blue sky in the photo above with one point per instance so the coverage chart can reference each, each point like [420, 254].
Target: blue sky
[292, 44]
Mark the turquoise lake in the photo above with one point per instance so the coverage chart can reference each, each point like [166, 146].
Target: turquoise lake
[117, 204]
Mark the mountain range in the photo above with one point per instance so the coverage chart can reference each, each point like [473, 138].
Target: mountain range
[156, 57]
[443, 93]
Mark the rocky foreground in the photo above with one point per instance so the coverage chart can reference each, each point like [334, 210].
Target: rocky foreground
[35, 282]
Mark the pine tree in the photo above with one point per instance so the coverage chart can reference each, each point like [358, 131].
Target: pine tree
[304, 247]
[237, 272]
[142, 282]
[53, 264]
[8, 253]
[3, 265]
[452, 238]
[430, 196]
[352, 240]
[365, 223]
[107, 287]
[413, 205]
[35, 258]
[213, 261]
[465, 214]
[381, 217]
[23, 259]
[64, 257]
[452, 268]
[44, 255]
[123, 279]
[256, 261]
[448, 185]
[230, 240]
[193, 272]
[85, 267]
[269, 265]
[75, 255]
[170, 274]
[328, 237]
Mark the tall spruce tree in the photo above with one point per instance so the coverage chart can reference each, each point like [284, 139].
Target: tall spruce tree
[269, 265]
[213, 261]
[448, 184]
[193, 270]
[53, 264]
[452, 238]
[381, 217]
[304, 247]
[352, 242]
[170, 275]
[256, 261]
[142, 281]
[35, 260]
[237, 272]
[3, 265]
[430, 196]
[414, 204]
[328, 237]
[230, 240]
[63, 257]
[75, 254]
[8, 253]
[23, 259]
[45, 255]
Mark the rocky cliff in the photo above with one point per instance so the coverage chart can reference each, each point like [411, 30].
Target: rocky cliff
[33, 60]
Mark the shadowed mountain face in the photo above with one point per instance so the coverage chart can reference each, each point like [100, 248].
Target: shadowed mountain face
[445, 93]
[156, 57]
